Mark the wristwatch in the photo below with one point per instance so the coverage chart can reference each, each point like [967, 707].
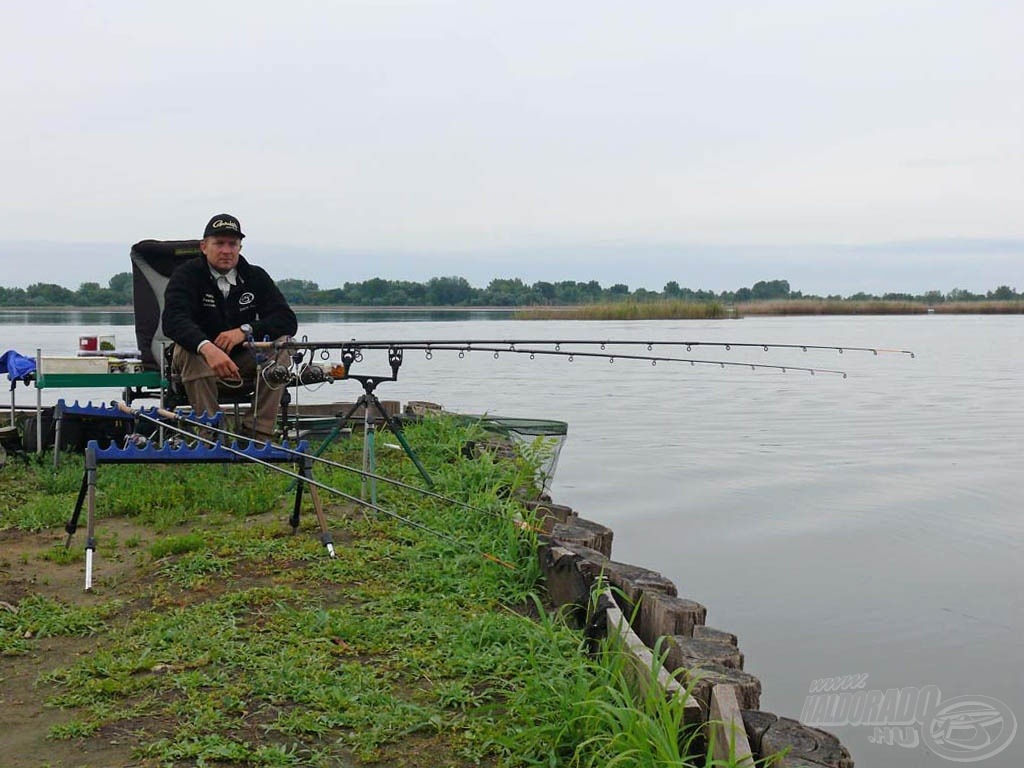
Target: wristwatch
[246, 329]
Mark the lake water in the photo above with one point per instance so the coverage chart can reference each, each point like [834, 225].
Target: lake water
[867, 525]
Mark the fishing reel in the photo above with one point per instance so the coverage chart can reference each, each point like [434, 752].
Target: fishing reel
[277, 374]
[311, 373]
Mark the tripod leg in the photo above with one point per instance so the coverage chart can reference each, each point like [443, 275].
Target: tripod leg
[369, 460]
[325, 534]
[342, 421]
[397, 430]
[58, 420]
[294, 520]
[72, 525]
[90, 533]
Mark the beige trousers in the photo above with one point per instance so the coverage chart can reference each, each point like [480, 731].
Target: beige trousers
[204, 388]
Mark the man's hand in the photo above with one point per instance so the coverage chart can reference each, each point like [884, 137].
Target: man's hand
[218, 359]
[228, 340]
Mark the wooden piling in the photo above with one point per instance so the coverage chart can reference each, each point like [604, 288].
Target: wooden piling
[725, 720]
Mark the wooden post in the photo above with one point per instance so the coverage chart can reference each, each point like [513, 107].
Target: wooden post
[704, 677]
[718, 635]
[550, 514]
[619, 627]
[585, 533]
[726, 722]
[663, 614]
[691, 653]
[810, 745]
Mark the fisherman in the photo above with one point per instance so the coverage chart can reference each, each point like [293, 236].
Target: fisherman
[212, 305]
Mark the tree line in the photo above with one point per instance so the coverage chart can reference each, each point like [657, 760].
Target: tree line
[457, 292]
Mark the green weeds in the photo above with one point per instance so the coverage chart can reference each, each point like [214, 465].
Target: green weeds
[244, 645]
[37, 616]
[177, 545]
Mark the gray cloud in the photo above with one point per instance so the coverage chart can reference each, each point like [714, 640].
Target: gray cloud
[487, 128]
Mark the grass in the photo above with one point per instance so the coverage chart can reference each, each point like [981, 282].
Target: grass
[164, 497]
[238, 644]
[38, 617]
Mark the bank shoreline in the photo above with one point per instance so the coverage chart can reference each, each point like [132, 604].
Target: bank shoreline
[672, 644]
[631, 310]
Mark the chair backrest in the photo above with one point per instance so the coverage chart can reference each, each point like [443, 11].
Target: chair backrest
[153, 261]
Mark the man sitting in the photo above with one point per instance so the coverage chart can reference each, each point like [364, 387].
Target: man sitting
[214, 303]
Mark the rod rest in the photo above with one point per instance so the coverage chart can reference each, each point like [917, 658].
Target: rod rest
[218, 453]
[105, 411]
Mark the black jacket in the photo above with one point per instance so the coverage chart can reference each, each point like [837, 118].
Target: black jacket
[195, 309]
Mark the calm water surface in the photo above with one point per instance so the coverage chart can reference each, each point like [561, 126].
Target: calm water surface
[839, 526]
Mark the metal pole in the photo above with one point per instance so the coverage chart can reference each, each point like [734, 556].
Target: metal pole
[58, 419]
[39, 402]
[368, 458]
[164, 374]
[90, 536]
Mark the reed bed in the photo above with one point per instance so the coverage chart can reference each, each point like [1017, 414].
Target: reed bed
[876, 307]
[628, 310]
[980, 308]
[690, 310]
[830, 307]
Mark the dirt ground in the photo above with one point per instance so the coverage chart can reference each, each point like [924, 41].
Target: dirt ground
[26, 717]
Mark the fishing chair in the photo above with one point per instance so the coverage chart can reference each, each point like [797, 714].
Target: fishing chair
[153, 261]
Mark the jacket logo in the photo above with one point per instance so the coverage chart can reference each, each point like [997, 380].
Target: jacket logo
[208, 300]
[246, 298]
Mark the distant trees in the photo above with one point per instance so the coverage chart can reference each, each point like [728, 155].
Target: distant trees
[448, 291]
[117, 292]
[122, 288]
[457, 292]
[506, 293]
[772, 289]
[92, 295]
[1003, 293]
[959, 294]
[298, 291]
[48, 294]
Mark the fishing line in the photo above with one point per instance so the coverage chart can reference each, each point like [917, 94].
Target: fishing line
[295, 475]
[328, 462]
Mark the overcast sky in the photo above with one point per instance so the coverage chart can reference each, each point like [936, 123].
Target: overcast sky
[841, 145]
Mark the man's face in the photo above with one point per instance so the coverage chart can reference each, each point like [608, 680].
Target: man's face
[221, 251]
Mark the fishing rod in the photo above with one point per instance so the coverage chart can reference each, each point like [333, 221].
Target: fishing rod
[511, 344]
[352, 353]
[183, 419]
[170, 415]
[611, 357]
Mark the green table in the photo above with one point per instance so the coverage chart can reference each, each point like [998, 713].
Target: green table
[44, 380]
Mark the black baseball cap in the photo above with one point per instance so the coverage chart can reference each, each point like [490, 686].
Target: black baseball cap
[223, 224]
